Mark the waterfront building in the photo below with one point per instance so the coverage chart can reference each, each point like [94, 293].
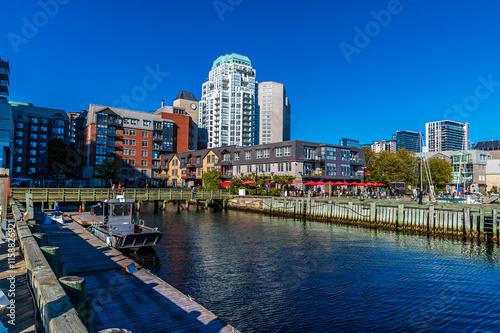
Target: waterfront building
[135, 140]
[6, 120]
[493, 174]
[469, 168]
[186, 101]
[383, 145]
[275, 111]
[446, 135]
[185, 131]
[228, 107]
[350, 143]
[34, 127]
[409, 140]
[492, 146]
[303, 160]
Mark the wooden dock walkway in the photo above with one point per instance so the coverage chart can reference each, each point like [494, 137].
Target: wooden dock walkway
[141, 302]
[24, 308]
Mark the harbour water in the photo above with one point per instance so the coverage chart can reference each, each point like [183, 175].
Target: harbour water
[269, 274]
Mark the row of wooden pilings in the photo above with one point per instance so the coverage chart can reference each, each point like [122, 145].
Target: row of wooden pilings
[473, 222]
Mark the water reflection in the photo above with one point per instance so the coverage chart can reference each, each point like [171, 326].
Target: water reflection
[266, 274]
[146, 256]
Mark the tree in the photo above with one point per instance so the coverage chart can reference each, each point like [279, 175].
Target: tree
[440, 172]
[211, 179]
[57, 157]
[109, 171]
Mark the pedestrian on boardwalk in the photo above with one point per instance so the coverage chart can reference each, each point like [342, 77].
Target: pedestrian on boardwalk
[113, 190]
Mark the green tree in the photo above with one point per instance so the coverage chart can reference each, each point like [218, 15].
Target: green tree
[409, 163]
[211, 179]
[440, 172]
[57, 158]
[109, 171]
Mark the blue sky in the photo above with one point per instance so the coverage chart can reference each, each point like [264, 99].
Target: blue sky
[356, 69]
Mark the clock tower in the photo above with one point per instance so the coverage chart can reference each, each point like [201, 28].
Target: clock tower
[187, 101]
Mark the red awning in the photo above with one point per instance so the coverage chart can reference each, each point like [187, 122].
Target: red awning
[297, 182]
[311, 183]
[320, 183]
[250, 182]
[225, 184]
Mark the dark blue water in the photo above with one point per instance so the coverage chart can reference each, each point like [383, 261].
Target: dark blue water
[268, 274]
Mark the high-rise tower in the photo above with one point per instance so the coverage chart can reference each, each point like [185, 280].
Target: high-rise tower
[228, 106]
[274, 113]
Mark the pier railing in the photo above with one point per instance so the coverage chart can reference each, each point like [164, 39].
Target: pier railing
[100, 194]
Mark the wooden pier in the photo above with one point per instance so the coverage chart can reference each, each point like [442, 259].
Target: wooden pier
[24, 310]
[471, 221]
[137, 301]
[88, 195]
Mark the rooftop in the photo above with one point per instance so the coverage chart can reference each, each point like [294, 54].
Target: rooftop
[231, 58]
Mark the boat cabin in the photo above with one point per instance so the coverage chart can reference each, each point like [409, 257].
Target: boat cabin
[117, 215]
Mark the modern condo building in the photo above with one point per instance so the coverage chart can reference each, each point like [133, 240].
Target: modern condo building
[274, 113]
[446, 135]
[228, 108]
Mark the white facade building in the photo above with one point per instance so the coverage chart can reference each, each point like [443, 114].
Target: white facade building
[446, 135]
[228, 108]
[274, 113]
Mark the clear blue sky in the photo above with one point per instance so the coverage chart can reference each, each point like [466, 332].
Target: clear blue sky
[416, 64]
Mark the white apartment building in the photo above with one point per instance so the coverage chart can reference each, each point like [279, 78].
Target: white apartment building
[228, 108]
[274, 113]
[446, 135]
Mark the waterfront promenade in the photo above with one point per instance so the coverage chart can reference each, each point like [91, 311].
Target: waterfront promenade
[138, 302]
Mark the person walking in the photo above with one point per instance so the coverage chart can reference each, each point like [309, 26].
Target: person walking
[113, 190]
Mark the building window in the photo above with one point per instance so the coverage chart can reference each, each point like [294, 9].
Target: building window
[32, 170]
[330, 169]
[346, 154]
[134, 121]
[132, 142]
[125, 151]
[33, 152]
[18, 169]
[43, 129]
[287, 151]
[236, 156]
[34, 120]
[33, 144]
[280, 167]
[268, 167]
[125, 142]
[266, 153]
[249, 168]
[132, 132]
[248, 154]
[34, 136]
[19, 142]
[144, 162]
[19, 125]
[146, 123]
[35, 128]
[279, 152]
[259, 153]
[144, 134]
[132, 152]
[144, 143]
[288, 166]
[19, 134]
[32, 160]
[144, 153]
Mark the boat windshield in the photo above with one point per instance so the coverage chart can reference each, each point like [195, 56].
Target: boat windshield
[121, 209]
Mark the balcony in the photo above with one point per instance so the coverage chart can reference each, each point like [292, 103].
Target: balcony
[227, 174]
[157, 138]
[116, 122]
[357, 161]
[111, 144]
[226, 163]
[314, 173]
[357, 176]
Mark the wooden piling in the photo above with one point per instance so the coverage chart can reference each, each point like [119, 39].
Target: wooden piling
[42, 239]
[75, 288]
[53, 256]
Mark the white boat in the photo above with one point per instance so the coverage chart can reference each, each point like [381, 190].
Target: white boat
[118, 229]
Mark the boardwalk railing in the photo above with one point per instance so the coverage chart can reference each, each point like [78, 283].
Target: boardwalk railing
[99, 194]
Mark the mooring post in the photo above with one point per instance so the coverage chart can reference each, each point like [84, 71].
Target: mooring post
[430, 219]
[494, 220]
[466, 222]
[401, 213]
[349, 211]
[75, 288]
[481, 223]
[42, 239]
[53, 256]
[187, 204]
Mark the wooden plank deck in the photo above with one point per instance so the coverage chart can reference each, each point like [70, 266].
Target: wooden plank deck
[141, 302]
[25, 314]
